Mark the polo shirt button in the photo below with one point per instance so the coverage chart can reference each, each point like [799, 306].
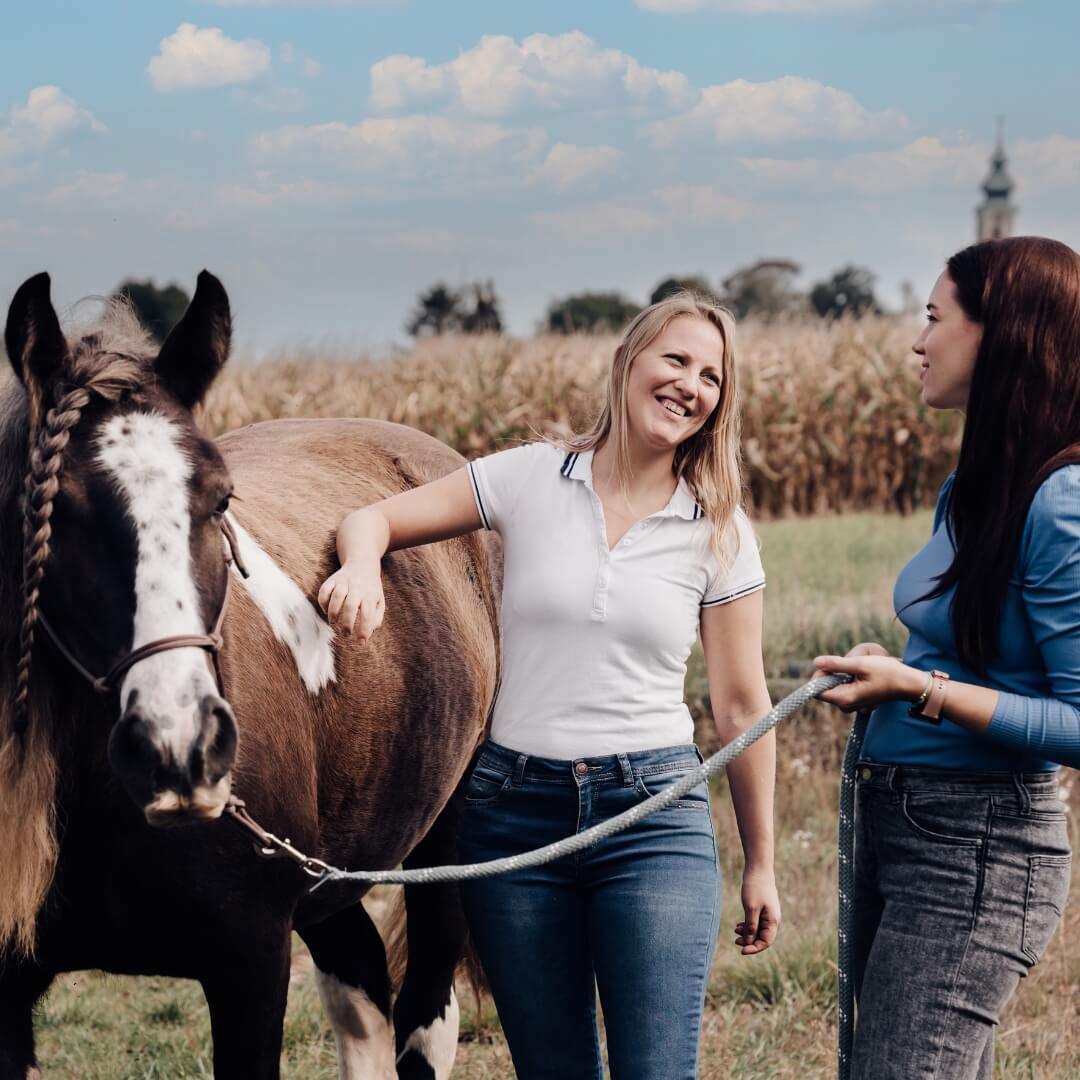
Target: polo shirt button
[581, 768]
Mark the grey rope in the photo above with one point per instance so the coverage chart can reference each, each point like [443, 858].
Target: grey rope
[573, 844]
[845, 874]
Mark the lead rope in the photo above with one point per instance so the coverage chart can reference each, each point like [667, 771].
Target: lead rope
[845, 885]
[352, 884]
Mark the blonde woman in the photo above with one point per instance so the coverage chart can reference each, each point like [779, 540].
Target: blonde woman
[620, 548]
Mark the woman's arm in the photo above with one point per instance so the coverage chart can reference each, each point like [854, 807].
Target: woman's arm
[443, 509]
[731, 638]
[1049, 565]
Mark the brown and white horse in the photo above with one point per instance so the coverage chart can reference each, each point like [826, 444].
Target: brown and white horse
[352, 752]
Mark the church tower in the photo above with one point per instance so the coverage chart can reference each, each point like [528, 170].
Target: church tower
[994, 218]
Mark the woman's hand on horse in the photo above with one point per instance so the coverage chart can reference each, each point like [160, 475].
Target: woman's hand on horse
[761, 912]
[877, 677]
[352, 600]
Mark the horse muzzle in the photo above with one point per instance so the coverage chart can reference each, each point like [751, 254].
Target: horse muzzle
[173, 781]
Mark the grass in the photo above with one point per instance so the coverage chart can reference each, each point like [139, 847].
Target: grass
[767, 1018]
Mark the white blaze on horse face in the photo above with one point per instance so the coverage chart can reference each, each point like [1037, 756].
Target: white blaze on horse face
[291, 616]
[141, 452]
[365, 1044]
[437, 1043]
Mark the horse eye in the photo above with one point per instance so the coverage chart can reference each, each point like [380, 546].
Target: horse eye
[222, 506]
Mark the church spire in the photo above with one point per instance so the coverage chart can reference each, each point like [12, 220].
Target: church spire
[994, 218]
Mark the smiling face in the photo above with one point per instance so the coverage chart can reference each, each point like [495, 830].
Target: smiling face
[674, 383]
[948, 345]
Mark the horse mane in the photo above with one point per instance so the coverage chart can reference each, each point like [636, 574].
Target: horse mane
[107, 360]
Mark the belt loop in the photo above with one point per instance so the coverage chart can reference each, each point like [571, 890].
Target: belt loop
[892, 778]
[627, 770]
[1022, 791]
[519, 769]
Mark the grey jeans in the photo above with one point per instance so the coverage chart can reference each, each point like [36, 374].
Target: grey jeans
[960, 882]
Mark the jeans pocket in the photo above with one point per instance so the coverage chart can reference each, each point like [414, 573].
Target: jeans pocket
[1047, 891]
[485, 785]
[649, 784]
[946, 817]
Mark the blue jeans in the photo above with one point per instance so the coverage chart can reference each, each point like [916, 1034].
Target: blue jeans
[635, 916]
[960, 882]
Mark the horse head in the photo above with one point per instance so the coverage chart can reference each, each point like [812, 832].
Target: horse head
[123, 535]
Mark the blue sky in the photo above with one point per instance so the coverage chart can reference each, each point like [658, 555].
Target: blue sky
[329, 159]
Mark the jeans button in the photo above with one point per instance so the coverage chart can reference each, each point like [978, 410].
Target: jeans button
[581, 768]
[865, 773]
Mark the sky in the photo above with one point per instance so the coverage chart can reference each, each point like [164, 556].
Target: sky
[329, 159]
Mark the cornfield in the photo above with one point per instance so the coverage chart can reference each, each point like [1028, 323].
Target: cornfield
[832, 416]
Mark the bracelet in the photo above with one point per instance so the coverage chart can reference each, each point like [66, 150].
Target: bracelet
[920, 701]
[931, 710]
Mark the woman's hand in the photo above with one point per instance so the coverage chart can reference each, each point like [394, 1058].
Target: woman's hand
[353, 596]
[878, 677]
[761, 912]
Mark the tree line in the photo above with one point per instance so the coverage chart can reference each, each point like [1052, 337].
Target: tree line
[765, 289]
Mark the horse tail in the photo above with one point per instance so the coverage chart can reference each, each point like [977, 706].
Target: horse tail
[395, 937]
[395, 934]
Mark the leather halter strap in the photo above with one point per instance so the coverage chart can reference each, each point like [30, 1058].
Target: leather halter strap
[212, 642]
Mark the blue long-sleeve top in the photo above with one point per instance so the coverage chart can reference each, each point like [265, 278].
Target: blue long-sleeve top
[1036, 724]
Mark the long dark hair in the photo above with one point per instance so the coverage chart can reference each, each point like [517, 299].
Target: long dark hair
[1023, 419]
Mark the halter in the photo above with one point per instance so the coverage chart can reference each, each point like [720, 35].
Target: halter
[212, 642]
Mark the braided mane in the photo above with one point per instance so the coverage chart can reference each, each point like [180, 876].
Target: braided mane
[106, 362]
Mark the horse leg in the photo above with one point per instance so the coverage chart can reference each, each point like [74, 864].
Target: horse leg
[19, 990]
[350, 972]
[426, 1013]
[247, 996]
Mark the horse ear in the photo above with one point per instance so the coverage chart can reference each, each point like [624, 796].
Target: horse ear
[35, 343]
[198, 346]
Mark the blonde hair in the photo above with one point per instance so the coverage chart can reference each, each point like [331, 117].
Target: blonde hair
[710, 460]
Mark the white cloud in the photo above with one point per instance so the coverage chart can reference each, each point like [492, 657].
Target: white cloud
[89, 187]
[782, 109]
[1046, 163]
[703, 205]
[306, 3]
[924, 163]
[599, 220]
[400, 143]
[819, 8]
[267, 193]
[671, 207]
[498, 76]
[193, 59]
[567, 165]
[48, 115]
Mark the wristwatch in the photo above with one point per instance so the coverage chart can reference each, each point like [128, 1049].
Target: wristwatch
[929, 704]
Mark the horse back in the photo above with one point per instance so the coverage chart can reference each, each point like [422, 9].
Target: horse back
[362, 766]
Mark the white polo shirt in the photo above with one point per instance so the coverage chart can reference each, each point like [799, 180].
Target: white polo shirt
[595, 642]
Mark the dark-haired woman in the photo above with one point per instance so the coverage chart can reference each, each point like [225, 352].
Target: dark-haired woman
[962, 852]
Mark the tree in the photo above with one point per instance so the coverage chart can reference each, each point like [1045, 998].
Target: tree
[589, 313]
[440, 309]
[765, 288]
[483, 316]
[694, 283]
[850, 291]
[437, 311]
[159, 310]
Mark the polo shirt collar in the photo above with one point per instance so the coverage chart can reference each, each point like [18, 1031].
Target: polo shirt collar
[578, 466]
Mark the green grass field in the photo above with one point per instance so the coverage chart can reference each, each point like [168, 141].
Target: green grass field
[769, 1017]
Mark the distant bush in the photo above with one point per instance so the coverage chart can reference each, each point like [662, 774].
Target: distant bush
[159, 309]
[590, 313]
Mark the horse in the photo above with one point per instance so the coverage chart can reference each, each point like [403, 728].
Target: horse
[125, 538]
